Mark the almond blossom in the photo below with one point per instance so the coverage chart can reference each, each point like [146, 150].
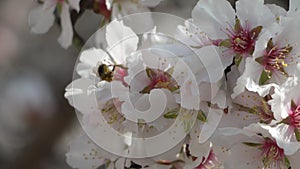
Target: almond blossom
[275, 56]
[236, 32]
[260, 150]
[42, 18]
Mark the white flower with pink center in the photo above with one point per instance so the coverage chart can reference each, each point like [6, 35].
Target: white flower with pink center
[275, 57]
[42, 18]
[218, 24]
[256, 148]
[285, 105]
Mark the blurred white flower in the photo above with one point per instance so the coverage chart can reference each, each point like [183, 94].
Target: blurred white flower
[42, 18]
[9, 43]
[26, 102]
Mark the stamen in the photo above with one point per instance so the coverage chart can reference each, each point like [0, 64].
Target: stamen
[275, 59]
[273, 156]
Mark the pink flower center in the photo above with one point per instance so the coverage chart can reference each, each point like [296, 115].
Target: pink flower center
[294, 117]
[275, 58]
[241, 39]
[119, 75]
[210, 162]
[272, 154]
[159, 79]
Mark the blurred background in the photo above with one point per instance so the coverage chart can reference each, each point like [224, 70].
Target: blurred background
[36, 122]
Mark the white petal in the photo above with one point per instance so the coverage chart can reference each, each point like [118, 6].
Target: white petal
[284, 135]
[84, 70]
[84, 154]
[199, 150]
[120, 163]
[252, 73]
[118, 90]
[220, 99]
[294, 160]
[102, 91]
[262, 90]
[40, 19]
[109, 4]
[245, 157]
[211, 58]
[66, 37]
[191, 35]
[121, 40]
[77, 95]
[278, 11]
[139, 23]
[211, 17]
[150, 3]
[294, 6]
[209, 127]
[279, 104]
[92, 56]
[189, 93]
[254, 12]
[74, 4]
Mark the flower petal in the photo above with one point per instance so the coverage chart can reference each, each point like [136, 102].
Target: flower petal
[121, 40]
[209, 127]
[66, 37]
[84, 154]
[78, 97]
[150, 3]
[294, 6]
[284, 135]
[214, 67]
[254, 13]
[74, 4]
[92, 56]
[244, 157]
[212, 17]
[40, 19]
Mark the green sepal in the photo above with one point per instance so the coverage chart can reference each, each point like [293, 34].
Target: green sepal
[150, 73]
[201, 116]
[170, 70]
[147, 89]
[260, 60]
[172, 114]
[141, 122]
[297, 134]
[287, 162]
[252, 111]
[270, 45]
[264, 77]
[283, 72]
[196, 47]
[59, 7]
[238, 60]
[238, 26]
[252, 144]
[226, 43]
[293, 105]
[256, 31]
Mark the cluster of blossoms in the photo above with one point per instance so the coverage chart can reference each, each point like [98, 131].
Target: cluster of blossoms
[238, 100]
[68, 11]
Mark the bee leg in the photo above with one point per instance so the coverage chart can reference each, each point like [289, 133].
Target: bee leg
[114, 68]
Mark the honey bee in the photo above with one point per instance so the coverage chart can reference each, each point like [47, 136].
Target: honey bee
[105, 73]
